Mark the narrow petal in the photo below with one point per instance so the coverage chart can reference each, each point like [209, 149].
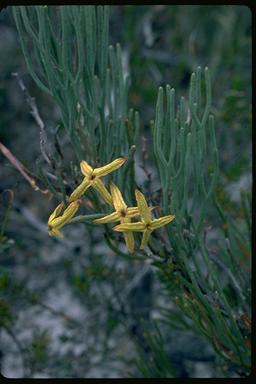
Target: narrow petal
[157, 223]
[86, 169]
[133, 211]
[124, 220]
[69, 212]
[103, 171]
[100, 187]
[145, 238]
[143, 206]
[129, 241]
[80, 190]
[71, 209]
[134, 227]
[56, 212]
[53, 232]
[118, 200]
[107, 219]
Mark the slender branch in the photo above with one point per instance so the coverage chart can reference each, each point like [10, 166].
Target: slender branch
[22, 350]
[35, 113]
[25, 173]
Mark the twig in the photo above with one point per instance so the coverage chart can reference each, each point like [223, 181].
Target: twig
[17, 164]
[230, 275]
[86, 218]
[55, 178]
[22, 350]
[43, 136]
[35, 113]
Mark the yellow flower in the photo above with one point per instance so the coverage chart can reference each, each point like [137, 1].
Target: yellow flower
[55, 222]
[122, 214]
[146, 225]
[92, 179]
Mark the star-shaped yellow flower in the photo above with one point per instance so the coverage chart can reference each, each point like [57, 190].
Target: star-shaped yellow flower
[92, 179]
[146, 225]
[122, 214]
[55, 222]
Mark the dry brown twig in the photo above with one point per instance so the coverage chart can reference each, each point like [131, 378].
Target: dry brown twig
[12, 159]
[25, 173]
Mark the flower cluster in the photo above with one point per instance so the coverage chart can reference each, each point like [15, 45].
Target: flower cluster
[121, 212]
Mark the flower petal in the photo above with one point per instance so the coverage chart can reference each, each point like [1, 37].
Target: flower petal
[133, 211]
[129, 241]
[100, 187]
[157, 223]
[69, 212]
[80, 190]
[118, 200]
[134, 227]
[103, 171]
[107, 219]
[56, 212]
[86, 169]
[145, 238]
[53, 232]
[143, 206]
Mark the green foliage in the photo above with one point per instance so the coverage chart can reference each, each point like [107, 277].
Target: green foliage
[156, 363]
[67, 54]
[5, 242]
[85, 76]
[39, 353]
[6, 316]
[182, 146]
[185, 149]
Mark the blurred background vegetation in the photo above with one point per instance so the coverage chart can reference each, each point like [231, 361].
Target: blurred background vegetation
[68, 308]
